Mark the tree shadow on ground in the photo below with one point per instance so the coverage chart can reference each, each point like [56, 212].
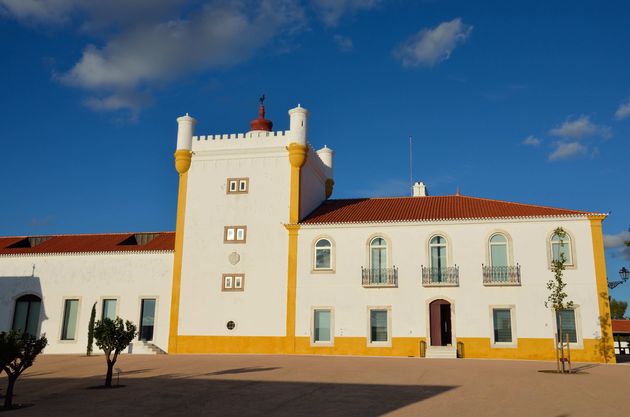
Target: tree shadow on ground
[221, 397]
[241, 371]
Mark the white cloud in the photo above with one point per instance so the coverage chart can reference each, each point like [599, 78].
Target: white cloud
[38, 11]
[567, 150]
[532, 141]
[623, 111]
[330, 11]
[146, 54]
[432, 46]
[344, 43]
[579, 128]
[616, 244]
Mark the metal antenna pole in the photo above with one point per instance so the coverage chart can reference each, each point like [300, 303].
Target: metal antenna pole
[410, 163]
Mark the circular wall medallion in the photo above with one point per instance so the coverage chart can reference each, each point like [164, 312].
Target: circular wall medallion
[234, 258]
[231, 325]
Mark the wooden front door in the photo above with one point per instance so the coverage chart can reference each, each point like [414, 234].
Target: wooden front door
[440, 323]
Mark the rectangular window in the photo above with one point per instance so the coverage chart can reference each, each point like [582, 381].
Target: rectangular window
[378, 326]
[70, 315]
[237, 185]
[502, 322]
[322, 326]
[109, 308]
[235, 234]
[233, 282]
[568, 325]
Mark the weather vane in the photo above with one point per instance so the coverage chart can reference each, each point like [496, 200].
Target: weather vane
[262, 99]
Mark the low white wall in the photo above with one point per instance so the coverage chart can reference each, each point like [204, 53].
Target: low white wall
[129, 277]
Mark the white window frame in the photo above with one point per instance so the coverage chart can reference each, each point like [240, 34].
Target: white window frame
[232, 278]
[77, 324]
[388, 343]
[315, 269]
[578, 327]
[514, 342]
[231, 234]
[445, 245]
[571, 241]
[241, 185]
[508, 247]
[387, 246]
[110, 298]
[332, 326]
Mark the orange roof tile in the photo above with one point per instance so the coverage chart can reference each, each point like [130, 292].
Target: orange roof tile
[402, 209]
[109, 242]
[621, 326]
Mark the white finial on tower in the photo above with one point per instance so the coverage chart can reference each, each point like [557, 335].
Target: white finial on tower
[185, 132]
[298, 118]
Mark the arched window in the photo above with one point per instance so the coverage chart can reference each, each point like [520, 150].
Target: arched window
[378, 253]
[498, 250]
[323, 254]
[438, 256]
[561, 246]
[26, 315]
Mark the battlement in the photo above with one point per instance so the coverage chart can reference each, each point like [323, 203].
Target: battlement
[249, 139]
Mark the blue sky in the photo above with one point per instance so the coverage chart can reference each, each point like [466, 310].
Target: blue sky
[523, 101]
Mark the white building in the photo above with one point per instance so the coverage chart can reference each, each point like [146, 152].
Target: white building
[262, 261]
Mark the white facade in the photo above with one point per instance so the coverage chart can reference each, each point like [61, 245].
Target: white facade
[89, 278]
[242, 270]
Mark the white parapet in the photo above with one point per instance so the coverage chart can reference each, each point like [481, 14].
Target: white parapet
[185, 132]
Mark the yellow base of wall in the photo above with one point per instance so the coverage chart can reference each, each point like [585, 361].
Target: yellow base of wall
[533, 349]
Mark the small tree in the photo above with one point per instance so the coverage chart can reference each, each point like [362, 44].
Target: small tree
[618, 309]
[113, 337]
[17, 353]
[557, 299]
[91, 331]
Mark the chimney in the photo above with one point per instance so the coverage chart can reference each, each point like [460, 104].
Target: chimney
[419, 190]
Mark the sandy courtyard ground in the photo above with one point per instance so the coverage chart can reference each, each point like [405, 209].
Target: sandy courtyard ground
[257, 385]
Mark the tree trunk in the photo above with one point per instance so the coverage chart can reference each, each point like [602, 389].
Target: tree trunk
[108, 377]
[8, 397]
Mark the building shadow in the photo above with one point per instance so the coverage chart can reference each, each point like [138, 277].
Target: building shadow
[241, 371]
[168, 396]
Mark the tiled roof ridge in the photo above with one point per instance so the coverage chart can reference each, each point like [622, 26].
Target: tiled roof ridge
[82, 234]
[460, 196]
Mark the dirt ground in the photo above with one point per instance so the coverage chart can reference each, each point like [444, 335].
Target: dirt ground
[260, 385]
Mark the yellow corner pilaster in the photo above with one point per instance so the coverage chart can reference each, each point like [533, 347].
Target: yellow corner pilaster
[182, 164]
[297, 158]
[606, 343]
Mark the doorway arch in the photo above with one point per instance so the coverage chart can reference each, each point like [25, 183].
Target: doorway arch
[440, 322]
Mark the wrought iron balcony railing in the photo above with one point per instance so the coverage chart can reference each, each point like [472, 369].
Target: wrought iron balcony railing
[379, 277]
[501, 275]
[447, 276]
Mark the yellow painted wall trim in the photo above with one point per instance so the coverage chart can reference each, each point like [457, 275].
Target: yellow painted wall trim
[529, 348]
[606, 342]
[182, 164]
[297, 158]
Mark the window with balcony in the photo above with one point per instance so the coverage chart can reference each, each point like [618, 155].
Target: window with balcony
[500, 271]
[438, 273]
[378, 273]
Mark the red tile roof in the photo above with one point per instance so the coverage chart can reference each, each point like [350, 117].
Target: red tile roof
[110, 242]
[621, 326]
[401, 209]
